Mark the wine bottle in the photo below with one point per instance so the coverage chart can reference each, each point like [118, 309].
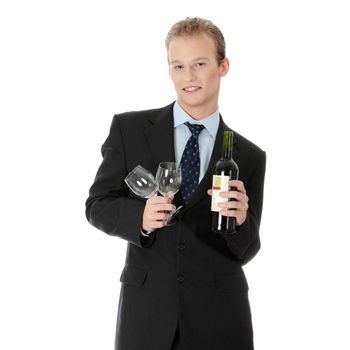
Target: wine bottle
[226, 169]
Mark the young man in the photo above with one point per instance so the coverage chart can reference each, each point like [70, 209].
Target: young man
[183, 286]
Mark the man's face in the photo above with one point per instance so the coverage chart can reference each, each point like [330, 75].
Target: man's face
[196, 74]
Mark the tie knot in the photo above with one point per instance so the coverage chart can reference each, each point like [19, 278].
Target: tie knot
[195, 128]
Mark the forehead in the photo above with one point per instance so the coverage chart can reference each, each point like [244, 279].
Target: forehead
[187, 48]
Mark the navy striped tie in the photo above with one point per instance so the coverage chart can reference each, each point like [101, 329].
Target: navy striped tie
[190, 163]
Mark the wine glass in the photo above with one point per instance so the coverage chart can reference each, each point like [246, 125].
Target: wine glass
[169, 182]
[142, 182]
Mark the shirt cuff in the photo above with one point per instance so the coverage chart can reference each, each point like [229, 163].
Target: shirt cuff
[145, 233]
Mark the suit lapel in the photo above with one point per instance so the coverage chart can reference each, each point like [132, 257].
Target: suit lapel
[160, 136]
[206, 182]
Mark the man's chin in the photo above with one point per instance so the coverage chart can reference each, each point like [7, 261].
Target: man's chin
[191, 102]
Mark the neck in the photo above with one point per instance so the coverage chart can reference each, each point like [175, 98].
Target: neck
[198, 113]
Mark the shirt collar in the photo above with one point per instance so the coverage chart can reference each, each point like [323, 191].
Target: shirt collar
[211, 123]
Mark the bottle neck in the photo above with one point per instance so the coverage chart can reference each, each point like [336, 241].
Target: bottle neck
[227, 145]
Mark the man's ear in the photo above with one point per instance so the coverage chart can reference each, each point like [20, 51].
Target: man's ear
[224, 66]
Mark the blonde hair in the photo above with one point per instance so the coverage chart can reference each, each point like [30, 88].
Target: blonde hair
[192, 26]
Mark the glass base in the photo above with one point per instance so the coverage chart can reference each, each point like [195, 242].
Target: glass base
[171, 222]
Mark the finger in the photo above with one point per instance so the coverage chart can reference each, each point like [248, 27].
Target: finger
[159, 200]
[230, 194]
[210, 192]
[162, 207]
[231, 213]
[162, 216]
[242, 206]
[236, 195]
[239, 215]
[156, 217]
[238, 184]
[225, 205]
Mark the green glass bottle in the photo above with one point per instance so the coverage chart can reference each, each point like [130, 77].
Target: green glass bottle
[226, 169]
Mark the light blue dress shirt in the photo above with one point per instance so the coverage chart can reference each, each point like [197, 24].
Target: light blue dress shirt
[206, 138]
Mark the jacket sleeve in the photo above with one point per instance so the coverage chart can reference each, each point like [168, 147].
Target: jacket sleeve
[109, 207]
[245, 243]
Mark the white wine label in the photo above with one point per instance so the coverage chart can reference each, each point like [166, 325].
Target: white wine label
[220, 183]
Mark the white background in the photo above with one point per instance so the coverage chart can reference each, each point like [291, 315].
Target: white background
[68, 66]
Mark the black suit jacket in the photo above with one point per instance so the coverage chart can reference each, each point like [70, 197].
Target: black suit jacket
[182, 273]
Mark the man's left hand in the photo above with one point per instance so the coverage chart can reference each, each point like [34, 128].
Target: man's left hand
[238, 207]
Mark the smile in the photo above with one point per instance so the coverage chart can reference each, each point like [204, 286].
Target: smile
[191, 88]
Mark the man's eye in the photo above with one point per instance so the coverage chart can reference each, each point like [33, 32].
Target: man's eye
[179, 66]
[200, 64]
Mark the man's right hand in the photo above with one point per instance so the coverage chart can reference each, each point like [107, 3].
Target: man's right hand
[156, 213]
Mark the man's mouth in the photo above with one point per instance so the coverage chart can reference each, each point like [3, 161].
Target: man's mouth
[191, 88]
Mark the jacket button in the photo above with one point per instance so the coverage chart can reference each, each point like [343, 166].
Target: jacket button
[180, 278]
[181, 246]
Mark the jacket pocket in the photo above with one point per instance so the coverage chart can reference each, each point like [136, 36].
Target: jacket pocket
[230, 283]
[133, 275]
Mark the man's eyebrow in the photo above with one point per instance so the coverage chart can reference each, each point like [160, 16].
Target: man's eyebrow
[196, 59]
[201, 59]
[175, 61]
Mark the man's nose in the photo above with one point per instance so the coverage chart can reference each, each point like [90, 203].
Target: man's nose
[189, 74]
